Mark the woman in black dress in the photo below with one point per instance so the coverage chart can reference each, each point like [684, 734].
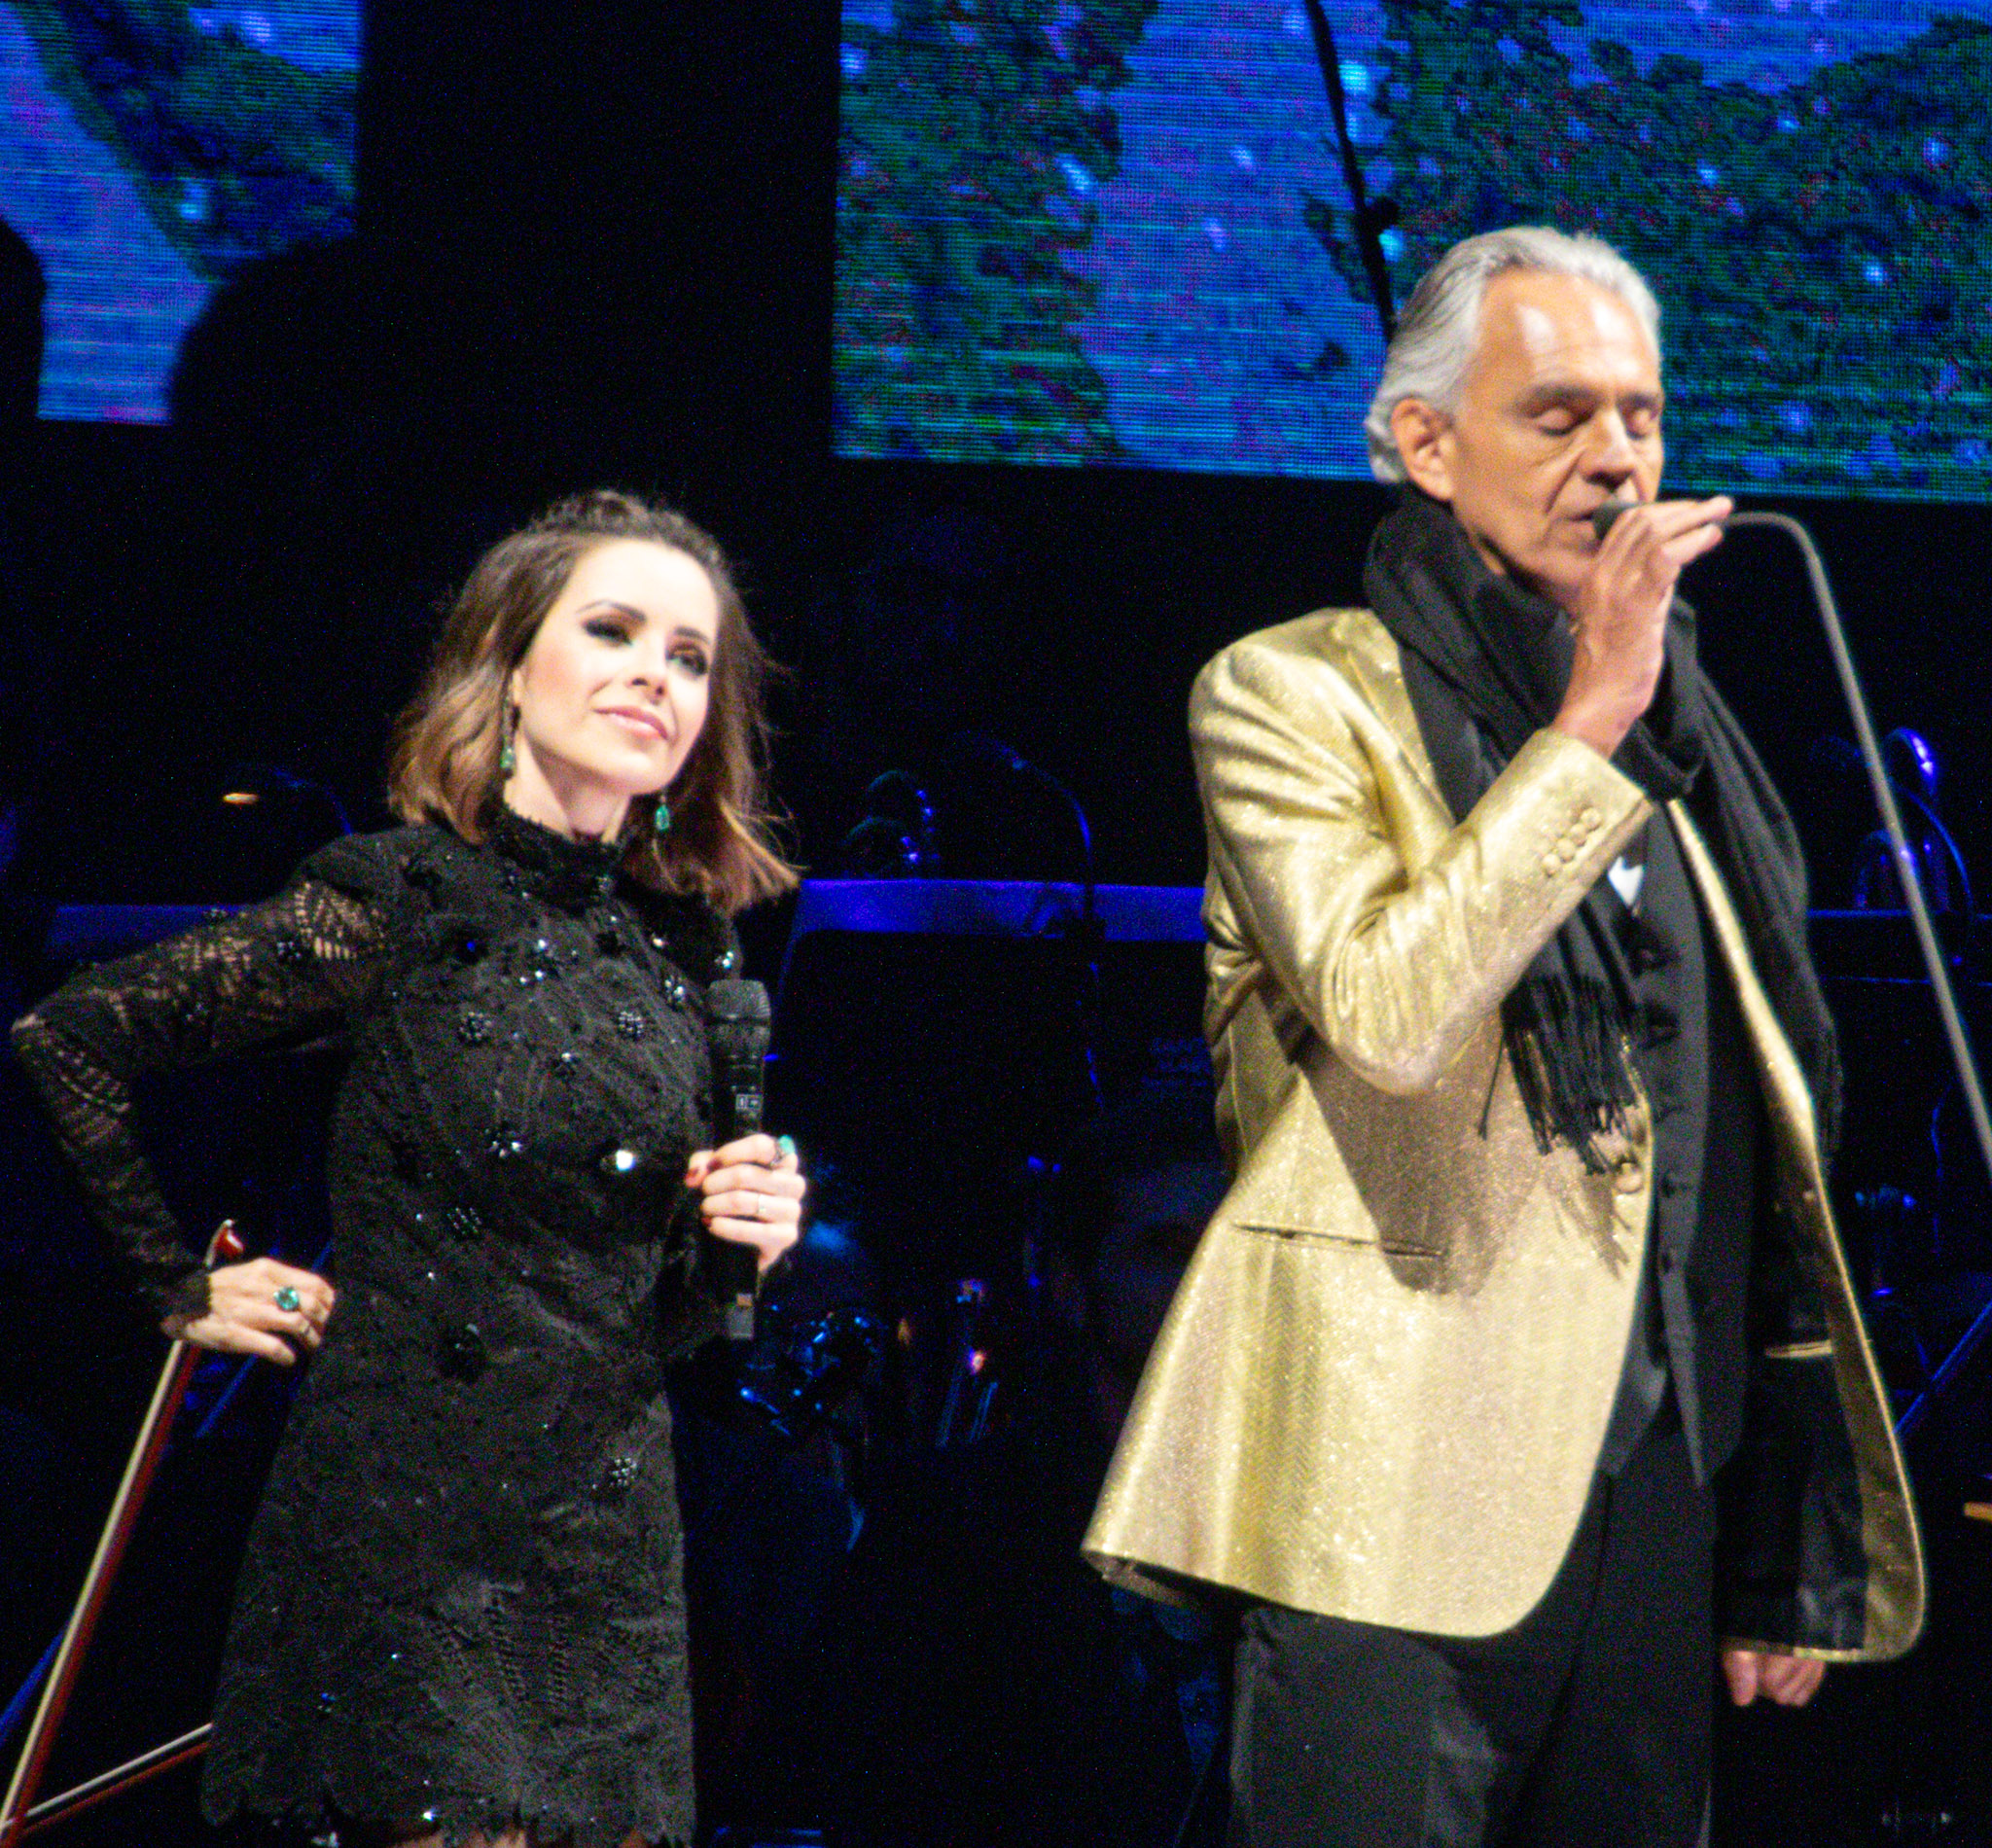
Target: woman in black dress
[460, 1618]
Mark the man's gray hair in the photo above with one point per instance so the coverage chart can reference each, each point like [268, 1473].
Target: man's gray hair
[1440, 329]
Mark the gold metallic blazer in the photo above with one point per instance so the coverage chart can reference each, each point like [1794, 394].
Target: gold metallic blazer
[1382, 1387]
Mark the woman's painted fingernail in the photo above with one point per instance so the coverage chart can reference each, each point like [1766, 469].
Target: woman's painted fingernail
[786, 1144]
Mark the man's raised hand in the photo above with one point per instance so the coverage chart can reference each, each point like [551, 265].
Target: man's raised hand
[1621, 615]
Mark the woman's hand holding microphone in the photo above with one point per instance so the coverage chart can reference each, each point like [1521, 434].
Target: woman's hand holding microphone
[752, 1194]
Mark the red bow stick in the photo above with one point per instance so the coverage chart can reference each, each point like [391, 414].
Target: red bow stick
[181, 1360]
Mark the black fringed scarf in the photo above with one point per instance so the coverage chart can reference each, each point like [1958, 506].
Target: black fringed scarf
[1486, 663]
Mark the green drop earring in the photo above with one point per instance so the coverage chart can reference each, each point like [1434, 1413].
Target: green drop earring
[508, 758]
[660, 817]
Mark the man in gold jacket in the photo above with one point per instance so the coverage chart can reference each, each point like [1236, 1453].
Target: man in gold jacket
[1519, 1368]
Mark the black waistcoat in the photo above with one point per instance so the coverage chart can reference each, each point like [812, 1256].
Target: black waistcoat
[1692, 1056]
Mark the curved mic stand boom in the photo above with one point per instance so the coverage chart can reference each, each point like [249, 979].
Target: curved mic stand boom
[181, 1360]
[1909, 873]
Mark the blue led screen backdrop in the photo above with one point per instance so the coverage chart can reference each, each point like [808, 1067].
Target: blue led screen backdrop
[148, 150]
[1117, 232]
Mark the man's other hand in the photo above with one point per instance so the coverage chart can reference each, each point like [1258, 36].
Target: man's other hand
[1785, 1679]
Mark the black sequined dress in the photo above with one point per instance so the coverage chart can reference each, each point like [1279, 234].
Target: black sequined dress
[462, 1603]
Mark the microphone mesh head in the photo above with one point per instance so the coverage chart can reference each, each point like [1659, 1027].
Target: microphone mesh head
[1602, 517]
[732, 999]
[739, 1022]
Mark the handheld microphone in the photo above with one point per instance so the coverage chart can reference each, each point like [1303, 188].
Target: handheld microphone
[1604, 518]
[738, 1029]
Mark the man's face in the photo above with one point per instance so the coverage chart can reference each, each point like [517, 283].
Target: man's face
[1560, 413]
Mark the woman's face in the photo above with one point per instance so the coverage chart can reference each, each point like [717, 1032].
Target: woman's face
[612, 694]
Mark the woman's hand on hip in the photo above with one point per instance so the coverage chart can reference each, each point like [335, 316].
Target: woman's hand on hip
[752, 1192]
[261, 1307]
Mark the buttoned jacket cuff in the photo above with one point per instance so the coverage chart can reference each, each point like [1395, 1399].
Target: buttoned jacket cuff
[1552, 822]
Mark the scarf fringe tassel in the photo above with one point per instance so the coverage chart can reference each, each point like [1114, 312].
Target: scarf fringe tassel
[1571, 1063]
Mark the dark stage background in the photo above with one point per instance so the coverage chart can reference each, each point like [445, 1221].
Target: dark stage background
[594, 243]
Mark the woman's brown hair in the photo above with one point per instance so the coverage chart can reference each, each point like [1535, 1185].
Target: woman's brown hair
[444, 761]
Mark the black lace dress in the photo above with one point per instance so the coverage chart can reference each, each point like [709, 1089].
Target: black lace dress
[461, 1605]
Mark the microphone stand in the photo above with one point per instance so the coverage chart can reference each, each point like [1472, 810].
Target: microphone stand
[1909, 873]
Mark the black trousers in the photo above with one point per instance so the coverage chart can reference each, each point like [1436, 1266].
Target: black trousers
[1585, 1726]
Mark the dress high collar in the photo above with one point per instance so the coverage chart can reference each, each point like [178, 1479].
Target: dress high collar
[572, 875]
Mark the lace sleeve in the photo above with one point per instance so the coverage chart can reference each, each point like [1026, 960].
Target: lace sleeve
[285, 971]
